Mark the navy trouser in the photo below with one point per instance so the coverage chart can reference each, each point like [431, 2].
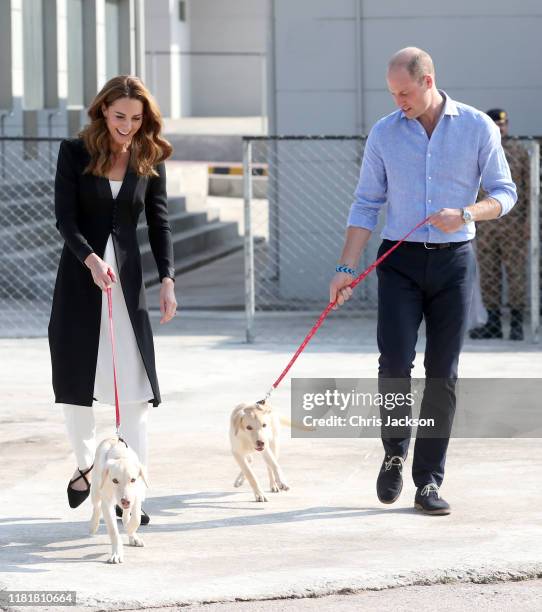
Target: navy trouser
[435, 284]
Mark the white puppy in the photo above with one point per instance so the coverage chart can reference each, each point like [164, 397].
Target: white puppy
[118, 478]
[255, 427]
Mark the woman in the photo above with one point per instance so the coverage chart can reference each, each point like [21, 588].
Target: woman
[104, 180]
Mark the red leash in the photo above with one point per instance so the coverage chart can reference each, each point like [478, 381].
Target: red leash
[328, 308]
[112, 335]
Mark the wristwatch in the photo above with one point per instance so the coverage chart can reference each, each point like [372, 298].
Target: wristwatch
[467, 216]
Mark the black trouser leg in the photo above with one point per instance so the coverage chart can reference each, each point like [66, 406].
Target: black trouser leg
[449, 285]
[400, 311]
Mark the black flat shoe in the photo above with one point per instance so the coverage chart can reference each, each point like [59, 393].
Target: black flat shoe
[76, 498]
[145, 518]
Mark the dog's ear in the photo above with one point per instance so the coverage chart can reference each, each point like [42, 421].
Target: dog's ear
[105, 472]
[237, 418]
[105, 476]
[143, 474]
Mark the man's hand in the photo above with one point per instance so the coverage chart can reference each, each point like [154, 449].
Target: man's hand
[448, 220]
[339, 289]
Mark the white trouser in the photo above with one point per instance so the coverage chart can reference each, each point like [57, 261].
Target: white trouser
[82, 431]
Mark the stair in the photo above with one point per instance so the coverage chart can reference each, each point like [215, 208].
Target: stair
[197, 237]
[31, 245]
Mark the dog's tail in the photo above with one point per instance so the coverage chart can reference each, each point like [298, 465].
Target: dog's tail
[287, 423]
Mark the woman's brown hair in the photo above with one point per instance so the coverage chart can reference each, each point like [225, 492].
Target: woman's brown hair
[148, 148]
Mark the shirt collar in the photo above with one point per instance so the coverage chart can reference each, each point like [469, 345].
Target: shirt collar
[450, 107]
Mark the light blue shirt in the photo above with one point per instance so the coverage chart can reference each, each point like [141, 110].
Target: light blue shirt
[417, 176]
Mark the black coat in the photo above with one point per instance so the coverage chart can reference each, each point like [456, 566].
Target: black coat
[87, 214]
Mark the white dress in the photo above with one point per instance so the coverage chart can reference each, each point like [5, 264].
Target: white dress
[132, 380]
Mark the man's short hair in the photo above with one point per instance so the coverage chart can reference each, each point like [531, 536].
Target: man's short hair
[417, 62]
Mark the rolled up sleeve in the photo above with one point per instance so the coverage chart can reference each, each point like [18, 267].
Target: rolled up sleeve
[495, 171]
[371, 192]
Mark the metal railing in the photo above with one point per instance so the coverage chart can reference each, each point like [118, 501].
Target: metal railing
[29, 241]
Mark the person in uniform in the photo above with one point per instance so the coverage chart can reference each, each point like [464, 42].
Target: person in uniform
[104, 180]
[502, 246]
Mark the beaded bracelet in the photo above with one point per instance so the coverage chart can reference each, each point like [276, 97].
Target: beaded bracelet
[346, 269]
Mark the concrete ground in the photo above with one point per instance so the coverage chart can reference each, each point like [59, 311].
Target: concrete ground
[325, 544]
[209, 542]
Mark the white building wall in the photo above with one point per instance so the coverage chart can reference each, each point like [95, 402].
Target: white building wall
[314, 65]
[486, 54]
[167, 67]
[328, 66]
[228, 42]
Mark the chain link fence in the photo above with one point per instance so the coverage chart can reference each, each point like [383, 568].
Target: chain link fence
[296, 202]
[297, 198]
[29, 241]
[508, 255]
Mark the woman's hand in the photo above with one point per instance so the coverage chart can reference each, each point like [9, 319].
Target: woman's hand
[168, 303]
[102, 274]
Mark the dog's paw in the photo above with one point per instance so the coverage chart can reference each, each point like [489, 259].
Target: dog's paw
[260, 497]
[283, 486]
[239, 481]
[274, 488]
[135, 540]
[115, 558]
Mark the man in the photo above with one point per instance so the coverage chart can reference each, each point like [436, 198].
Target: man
[426, 158]
[503, 245]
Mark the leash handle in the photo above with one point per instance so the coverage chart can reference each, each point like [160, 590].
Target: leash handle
[329, 307]
[112, 336]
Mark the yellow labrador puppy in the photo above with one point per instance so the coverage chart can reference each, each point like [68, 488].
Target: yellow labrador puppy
[117, 478]
[255, 428]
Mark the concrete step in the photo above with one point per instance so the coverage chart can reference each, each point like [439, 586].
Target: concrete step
[179, 222]
[207, 148]
[191, 233]
[21, 232]
[176, 204]
[232, 185]
[197, 238]
[197, 260]
[192, 242]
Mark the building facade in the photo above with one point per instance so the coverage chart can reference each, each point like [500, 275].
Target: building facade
[327, 60]
[198, 57]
